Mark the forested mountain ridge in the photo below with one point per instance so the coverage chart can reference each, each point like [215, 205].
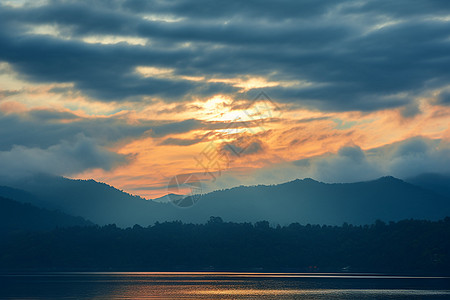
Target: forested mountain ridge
[16, 216]
[304, 201]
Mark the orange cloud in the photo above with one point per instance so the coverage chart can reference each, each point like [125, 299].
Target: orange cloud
[298, 135]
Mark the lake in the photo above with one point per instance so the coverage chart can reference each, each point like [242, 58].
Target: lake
[214, 285]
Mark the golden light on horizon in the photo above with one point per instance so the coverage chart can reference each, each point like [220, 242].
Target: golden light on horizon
[152, 92]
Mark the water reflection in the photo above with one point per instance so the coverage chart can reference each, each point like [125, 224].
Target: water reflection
[220, 286]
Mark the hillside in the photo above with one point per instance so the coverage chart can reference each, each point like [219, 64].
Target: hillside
[309, 201]
[437, 183]
[16, 216]
[98, 202]
[304, 201]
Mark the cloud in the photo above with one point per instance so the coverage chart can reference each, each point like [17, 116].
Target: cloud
[103, 72]
[65, 158]
[403, 160]
[181, 142]
[338, 70]
[348, 165]
[415, 156]
[348, 55]
[43, 128]
[242, 146]
[399, 9]
[45, 115]
[177, 127]
[411, 110]
[224, 9]
[444, 97]
[6, 93]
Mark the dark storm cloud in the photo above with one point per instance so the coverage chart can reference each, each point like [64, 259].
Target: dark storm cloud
[336, 46]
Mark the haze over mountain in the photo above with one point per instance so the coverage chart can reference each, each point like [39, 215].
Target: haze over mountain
[304, 201]
[20, 195]
[309, 201]
[98, 202]
[438, 183]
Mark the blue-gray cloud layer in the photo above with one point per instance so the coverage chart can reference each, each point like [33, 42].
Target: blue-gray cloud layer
[63, 143]
[404, 159]
[356, 55]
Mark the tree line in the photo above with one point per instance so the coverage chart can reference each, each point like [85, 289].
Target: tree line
[409, 246]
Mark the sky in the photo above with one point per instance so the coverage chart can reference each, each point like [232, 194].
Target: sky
[136, 93]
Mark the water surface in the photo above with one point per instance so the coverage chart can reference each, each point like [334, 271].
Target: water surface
[213, 285]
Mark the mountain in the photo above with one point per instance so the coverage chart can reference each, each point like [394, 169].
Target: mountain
[168, 198]
[98, 202]
[437, 183]
[24, 216]
[304, 201]
[309, 201]
[19, 195]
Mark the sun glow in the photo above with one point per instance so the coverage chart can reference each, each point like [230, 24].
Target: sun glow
[216, 108]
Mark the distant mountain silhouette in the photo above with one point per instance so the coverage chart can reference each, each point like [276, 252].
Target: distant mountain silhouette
[19, 195]
[16, 216]
[98, 202]
[309, 201]
[168, 198]
[304, 201]
[438, 183]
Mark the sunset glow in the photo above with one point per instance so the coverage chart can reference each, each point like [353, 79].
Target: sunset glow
[136, 102]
